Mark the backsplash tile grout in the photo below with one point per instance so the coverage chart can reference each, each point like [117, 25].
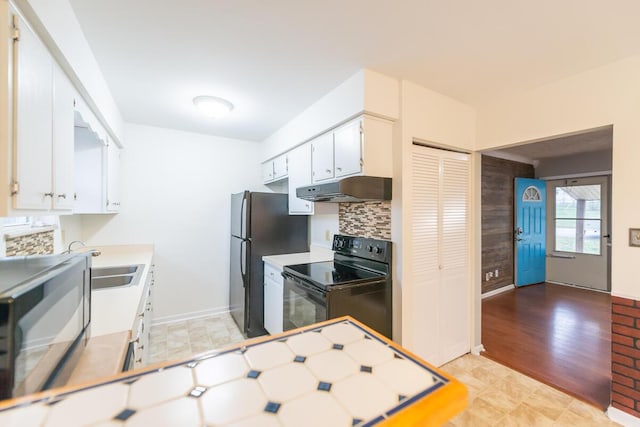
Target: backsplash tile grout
[367, 219]
[31, 244]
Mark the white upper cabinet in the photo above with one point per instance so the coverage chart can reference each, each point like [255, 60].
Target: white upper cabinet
[44, 98]
[97, 166]
[63, 147]
[322, 157]
[90, 169]
[275, 169]
[33, 99]
[299, 176]
[113, 177]
[347, 142]
[280, 167]
[267, 171]
[361, 146]
[40, 147]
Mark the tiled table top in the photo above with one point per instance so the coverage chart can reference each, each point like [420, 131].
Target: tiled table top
[335, 373]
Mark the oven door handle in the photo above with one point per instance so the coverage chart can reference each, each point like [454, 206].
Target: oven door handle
[306, 286]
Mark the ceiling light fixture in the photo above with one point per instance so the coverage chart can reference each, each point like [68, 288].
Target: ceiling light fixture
[213, 106]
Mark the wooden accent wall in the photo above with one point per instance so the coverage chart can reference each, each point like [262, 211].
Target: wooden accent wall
[625, 355]
[497, 218]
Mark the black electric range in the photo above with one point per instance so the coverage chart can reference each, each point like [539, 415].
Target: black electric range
[357, 283]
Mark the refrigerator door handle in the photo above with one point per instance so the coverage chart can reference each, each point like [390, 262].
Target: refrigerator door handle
[243, 262]
[243, 217]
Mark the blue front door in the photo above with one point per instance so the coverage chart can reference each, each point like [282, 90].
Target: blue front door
[530, 242]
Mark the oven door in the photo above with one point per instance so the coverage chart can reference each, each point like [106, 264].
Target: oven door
[304, 304]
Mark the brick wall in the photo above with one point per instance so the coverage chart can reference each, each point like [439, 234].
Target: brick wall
[625, 355]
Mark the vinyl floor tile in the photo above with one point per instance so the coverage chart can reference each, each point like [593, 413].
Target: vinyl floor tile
[499, 396]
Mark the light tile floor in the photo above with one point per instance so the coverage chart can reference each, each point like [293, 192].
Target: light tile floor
[190, 337]
[498, 396]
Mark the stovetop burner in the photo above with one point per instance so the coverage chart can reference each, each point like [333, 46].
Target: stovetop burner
[330, 273]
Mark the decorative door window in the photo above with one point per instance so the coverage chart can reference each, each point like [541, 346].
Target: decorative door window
[531, 194]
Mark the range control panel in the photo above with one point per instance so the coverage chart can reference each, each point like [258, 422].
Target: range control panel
[377, 250]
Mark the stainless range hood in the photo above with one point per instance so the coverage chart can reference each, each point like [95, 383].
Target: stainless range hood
[352, 189]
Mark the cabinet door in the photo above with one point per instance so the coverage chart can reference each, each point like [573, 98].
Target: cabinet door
[138, 346]
[273, 295]
[348, 149]
[280, 167]
[322, 157]
[299, 176]
[63, 156]
[33, 92]
[113, 177]
[267, 171]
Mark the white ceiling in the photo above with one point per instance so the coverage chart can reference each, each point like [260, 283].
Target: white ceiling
[272, 59]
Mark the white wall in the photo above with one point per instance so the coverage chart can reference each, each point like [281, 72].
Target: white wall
[324, 219]
[176, 195]
[608, 95]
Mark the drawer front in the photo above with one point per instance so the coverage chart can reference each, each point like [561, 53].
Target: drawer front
[273, 273]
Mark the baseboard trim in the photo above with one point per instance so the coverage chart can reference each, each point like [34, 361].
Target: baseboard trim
[498, 291]
[476, 350]
[189, 316]
[622, 417]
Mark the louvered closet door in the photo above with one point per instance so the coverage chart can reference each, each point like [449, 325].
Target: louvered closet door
[454, 256]
[439, 324]
[423, 321]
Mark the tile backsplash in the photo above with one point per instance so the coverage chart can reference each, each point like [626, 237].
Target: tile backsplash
[368, 219]
[30, 244]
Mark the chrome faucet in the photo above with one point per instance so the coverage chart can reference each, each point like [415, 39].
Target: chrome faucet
[94, 252]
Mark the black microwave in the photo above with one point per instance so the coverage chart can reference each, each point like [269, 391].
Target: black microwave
[45, 313]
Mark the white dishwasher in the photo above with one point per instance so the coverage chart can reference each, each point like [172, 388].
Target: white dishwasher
[273, 296]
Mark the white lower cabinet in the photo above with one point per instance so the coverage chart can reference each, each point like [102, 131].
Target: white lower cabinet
[142, 324]
[273, 296]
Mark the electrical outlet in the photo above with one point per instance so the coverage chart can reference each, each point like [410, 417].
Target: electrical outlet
[495, 273]
[327, 235]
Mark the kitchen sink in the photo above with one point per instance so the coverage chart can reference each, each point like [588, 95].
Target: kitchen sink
[114, 271]
[115, 277]
[110, 281]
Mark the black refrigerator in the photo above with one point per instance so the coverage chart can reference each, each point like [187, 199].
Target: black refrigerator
[260, 225]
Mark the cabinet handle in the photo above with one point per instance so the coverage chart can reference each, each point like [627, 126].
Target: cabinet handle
[338, 169]
[62, 196]
[328, 170]
[48, 194]
[139, 360]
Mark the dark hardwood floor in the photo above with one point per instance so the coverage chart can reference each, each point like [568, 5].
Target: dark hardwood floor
[558, 335]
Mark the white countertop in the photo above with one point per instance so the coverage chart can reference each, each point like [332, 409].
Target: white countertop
[114, 310]
[316, 255]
